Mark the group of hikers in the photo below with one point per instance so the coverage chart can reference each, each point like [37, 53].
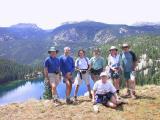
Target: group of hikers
[106, 89]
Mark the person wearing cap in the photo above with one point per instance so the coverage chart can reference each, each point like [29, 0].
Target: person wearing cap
[67, 67]
[51, 72]
[114, 65]
[104, 92]
[97, 64]
[82, 66]
[129, 59]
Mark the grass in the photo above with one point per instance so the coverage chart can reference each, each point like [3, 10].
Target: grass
[145, 107]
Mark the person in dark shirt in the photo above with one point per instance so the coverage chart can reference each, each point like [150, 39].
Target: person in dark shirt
[52, 73]
[129, 60]
[67, 68]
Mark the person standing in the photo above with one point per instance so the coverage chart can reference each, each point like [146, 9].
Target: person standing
[97, 64]
[67, 68]
[82, 66]
[115, 68]
[129, 59]
[52, 73]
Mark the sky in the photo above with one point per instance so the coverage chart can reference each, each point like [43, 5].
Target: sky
[49, 14]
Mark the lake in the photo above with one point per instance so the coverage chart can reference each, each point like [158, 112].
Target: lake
[20, 91]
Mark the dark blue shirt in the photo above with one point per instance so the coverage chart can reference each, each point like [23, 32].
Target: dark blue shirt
[66, 64]
[52, 64]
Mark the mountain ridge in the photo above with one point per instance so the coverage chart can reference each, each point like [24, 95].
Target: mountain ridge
[27, 43]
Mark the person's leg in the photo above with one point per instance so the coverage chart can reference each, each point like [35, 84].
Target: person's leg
[127, 77]
[86, 77]
[110, 104]
[68, 88]
[116, 83]
[54, 91]
[132, 89]
[89, 90]
[76, 91]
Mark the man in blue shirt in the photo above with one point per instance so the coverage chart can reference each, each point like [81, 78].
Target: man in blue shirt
[129, 60]
[67, 68]
[51, 72]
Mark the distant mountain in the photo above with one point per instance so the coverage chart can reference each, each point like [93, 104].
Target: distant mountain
[27, 43]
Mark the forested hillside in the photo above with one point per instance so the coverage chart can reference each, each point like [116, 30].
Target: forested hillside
[147, 49]
[10, 71]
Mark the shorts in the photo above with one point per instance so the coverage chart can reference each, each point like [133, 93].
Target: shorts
[115, 75]
[130, 75]
[103, 98]
[54, 78]
[70, 79]
[85, 77]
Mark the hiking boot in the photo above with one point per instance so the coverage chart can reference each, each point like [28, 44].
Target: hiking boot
[133, 96]
[56, 102]
[128, 94]
[118, 93]
[75, 99]
[69, 101]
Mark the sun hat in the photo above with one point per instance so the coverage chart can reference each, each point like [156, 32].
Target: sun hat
[53, 49]
[125, 45]
[104, 74]
[113, 48]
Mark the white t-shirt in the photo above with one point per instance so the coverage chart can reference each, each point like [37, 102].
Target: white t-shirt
[114, 61]
[82, 63]
[103, 88]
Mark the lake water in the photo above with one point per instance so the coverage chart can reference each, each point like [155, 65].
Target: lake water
[25, 90]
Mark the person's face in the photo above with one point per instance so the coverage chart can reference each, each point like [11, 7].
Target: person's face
[113, 52]
[67, 51]
[104, 79]
[125, 49]
[95, 53]
[53, 53]
[81, 54]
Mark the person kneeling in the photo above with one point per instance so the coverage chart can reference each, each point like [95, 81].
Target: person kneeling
[105, 93]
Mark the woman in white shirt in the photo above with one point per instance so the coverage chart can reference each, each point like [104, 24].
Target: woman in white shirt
[104, 92]
[114, 65]
[82, 66]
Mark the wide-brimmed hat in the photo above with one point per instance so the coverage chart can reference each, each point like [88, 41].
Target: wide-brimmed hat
[113, 48]
[104, 74]
[53, 49]
[125, 45]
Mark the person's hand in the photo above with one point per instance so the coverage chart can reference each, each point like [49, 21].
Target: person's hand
[47, 80]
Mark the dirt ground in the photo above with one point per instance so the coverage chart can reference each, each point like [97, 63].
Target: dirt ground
[145, 107]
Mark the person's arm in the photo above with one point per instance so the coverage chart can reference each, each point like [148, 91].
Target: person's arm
[46, 65]
[61, 66]
[94, 94]
[113, 90]
[46, 73]
[73, 66]
[76, 65]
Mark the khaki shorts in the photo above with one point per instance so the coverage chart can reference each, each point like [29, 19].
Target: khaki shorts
[85, 77]
[54, 78]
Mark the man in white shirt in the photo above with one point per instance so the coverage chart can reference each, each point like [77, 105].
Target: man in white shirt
[105, 93]
[82, 65]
